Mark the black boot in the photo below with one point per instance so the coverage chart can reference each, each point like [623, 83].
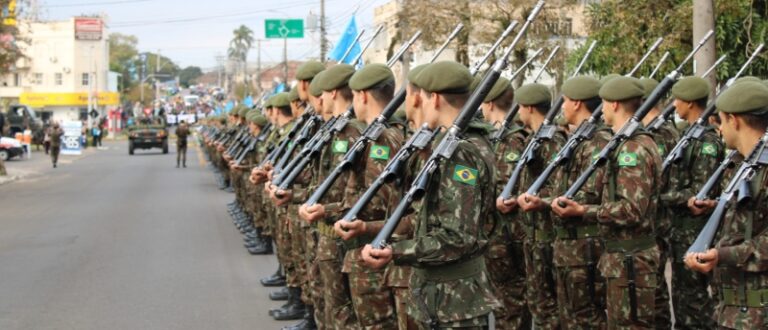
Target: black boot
[293, 311]
[281, 294]
[264, 248]
[276, 279]
[308, 323]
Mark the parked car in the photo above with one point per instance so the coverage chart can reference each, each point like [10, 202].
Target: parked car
[10, 148]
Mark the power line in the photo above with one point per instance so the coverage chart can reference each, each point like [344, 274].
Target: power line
[103, 3]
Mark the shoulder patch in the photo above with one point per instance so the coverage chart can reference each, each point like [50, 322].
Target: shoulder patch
[595, 154]
[511, 157]
[340, 147]
[465, 175]
[662, 149]
[627, 159]
[379, 152]
[709, 149]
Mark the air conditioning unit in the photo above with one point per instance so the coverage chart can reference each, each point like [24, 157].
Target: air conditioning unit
[66, 70]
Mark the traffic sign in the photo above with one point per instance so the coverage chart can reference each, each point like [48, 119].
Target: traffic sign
[284, 28]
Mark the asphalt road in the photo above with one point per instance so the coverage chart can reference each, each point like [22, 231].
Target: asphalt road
[111, 241]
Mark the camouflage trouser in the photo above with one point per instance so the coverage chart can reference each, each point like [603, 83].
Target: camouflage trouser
[269, 212]
[478, 323]
[338, 305]
[283, 244]
[613, 267]
[372, 301]
[540, 274]
[54, 154]
[507, 273]
[402, 297]
[234, 179]
[663, 315]
[579, 308]
[293, 249]
[690, 298]
[314, 280]
[298, 240]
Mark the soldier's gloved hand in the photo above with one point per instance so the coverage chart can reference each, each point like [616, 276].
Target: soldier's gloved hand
[280, 197]
[529, 202]
[702, 262]
[349, 229]
[506, 206]
[698, 207]
[376, 258]
[568, 209]
[314, 212]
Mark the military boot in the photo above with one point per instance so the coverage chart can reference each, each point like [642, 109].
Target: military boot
[308, 323]
[278, 295]
[295, 310]
[264, 248]
[276, 279]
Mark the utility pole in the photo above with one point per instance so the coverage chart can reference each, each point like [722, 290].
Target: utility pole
[157, 83]
[323, 40]
[703, 21]
[258, 65]
[285, 61]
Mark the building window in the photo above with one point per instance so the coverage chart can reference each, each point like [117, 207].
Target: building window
[16, 80]
[38, 78]
[58, 79]
[86, 79]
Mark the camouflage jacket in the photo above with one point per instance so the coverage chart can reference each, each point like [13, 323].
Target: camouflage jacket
[332, 155]
[300, 189]
[666, 138]
[700, 159]
[449, 281]
[507, 152]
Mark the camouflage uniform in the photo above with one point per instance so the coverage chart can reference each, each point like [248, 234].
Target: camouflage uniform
[450, 286]
[281, 219]
[578, 246]
[372, 301]
[540, 233]
[505, 249]
[267, 208]
[625, 218]
[690, 298]
[666, 137]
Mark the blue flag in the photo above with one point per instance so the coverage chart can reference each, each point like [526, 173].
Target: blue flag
[279, 88]
[345, 41]
[248, 101]
[228, 107]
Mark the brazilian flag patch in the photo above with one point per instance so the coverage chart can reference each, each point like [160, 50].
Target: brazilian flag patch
[379, 152]
[662, 149]
[595, 155]
[511, 157]
[465, 174]
[708, 149]
[627, 159]
[340, 147]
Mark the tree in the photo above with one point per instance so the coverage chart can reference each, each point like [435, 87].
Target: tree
[188, 75]
[241, 43]
[123, 57]
[10, 52]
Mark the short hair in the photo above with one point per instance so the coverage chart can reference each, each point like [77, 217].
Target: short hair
[592, 103]
[702, 102]
[454, 100]
[757, 122]
[505, 100]
[542, 107]
[632, 104]
[383, 92]
[345, 92]
[285, 111]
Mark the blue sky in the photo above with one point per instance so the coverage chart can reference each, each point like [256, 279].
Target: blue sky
[193, 32]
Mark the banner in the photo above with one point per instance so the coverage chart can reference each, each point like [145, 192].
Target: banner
[70, 141]
[187, 118]
[345, 41]
[170, 119]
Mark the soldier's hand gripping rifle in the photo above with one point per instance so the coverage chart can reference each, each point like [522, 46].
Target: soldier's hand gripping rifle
[634, 123]
[371, 133]
[669, 110]
[714, 179]
[584, 132]
[253, 142]
[739, 187]
[447, 146]
[698, 128]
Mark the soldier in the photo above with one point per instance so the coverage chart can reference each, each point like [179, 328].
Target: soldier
[182, 132]
[336, 100]
[56, 133]
[372, 89]
[505, 248]
[625, 214]
[740, 275]
[690, 296]
[450, 285]
[535, 218]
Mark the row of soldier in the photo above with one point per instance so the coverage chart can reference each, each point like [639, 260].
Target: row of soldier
[464, 249]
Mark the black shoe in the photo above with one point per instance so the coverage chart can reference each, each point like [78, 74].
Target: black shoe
[177, 165]
[273, 310]
[295, 310]
[276, 279]
[264, 248]
[230, 190]
[281, 294]
[308, 323]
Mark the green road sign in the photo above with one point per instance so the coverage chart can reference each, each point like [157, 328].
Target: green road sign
[284, 28]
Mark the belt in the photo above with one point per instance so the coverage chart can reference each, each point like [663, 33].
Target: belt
[754, 298]
[325, 229]
[630, 245]
[454, 271]
[687, 224]
[538, 235]
[577, 232]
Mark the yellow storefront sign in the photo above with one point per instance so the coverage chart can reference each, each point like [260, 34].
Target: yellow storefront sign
[67, 99]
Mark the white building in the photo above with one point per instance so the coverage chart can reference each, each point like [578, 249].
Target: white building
[66, 69]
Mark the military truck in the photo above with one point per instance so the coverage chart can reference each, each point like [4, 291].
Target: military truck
[20, 117]
[147, 134]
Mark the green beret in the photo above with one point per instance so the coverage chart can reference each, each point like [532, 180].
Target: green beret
[309, 70]
[370, 76]
[281, 100]
[257, 118]
[244, 110]
[236, 110]
[499, 88]
[691, 89]
[336, 77]
[533, 94]
[415, 72]
[765, 82]
[445, 77]
[744, 97]
[610, 76]
[648, 86]
[621, 89]
[314, 86]
[747, 78]
[270, 102]
[293, 95]
[581, 88]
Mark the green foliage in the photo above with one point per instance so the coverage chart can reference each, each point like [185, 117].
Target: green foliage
[188, 75]
[10, 51]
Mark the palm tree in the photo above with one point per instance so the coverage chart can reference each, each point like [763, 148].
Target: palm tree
[239, 46]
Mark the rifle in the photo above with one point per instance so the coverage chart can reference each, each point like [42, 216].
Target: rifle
[305, 150]
[584, 132]
[669, 110]
[634, 123]
[476, 68]
[253, 141]
[352, 46]
[658, 66]
[714, 179]
[447, 146]
[700, 125]
[371, 133]
[367, 44]
[739, 186]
